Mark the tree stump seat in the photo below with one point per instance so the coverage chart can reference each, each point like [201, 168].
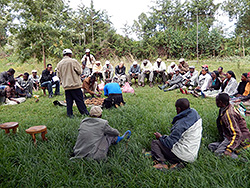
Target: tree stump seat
[9, 125]
[37, 129]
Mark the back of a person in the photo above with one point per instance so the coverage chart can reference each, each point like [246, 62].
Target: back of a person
[70, 79]
[113, 88]
[91, 132]
[188, 146]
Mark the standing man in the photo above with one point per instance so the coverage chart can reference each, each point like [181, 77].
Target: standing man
[69, 71]
[159, 70]
[183, 66]
[183, 142]
[146, 71]
[108, 71]
[232, 129]
[134, 72]
[89, 59]
[47, 81]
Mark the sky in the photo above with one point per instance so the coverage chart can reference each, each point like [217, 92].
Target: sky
[126, 11]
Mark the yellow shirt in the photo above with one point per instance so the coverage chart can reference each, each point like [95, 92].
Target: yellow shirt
[247, 89]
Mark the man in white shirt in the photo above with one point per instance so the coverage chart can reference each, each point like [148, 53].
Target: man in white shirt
[159, 70]
[89, 59]
[171, 70]
[146, 71]
[108, 71]
[191, 77]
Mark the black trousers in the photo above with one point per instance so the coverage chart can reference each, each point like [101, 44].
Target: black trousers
[77, 96]
[113, 100]
[162, 153]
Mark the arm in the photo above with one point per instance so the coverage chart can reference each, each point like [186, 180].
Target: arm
[105, 89]
[77, 68]
[111, 131]
[206, 83]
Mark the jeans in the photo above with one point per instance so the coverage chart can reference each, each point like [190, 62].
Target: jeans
[49, 85]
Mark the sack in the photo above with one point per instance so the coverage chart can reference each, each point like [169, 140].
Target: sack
[127, 88]
[101, 86]
[55, 78]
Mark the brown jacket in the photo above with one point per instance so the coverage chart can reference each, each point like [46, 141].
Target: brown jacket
[86, 85]
[184, 68]
[233, 126]
[69, 71]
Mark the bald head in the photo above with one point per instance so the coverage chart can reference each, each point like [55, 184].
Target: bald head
[181, 105]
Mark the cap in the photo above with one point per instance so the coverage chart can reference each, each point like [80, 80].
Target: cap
[107, 62]
[204, 66]
[98, 62]
[181, 60]
[87, 50]
[145, 61]
[192, 67]
[34, 71]
[158, 60]
[95, 111]
[67, 51]
[172, 64]
[135, 63]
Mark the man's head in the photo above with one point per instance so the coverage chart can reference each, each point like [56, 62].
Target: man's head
[95, 111]
[222, 100]
[181, 105]
[83, 65]
[92, 79]
[98, 63]
[158, 60]
[107, 63]
[215, 74]
[220, 69]
[177, 71]
[121, 64]
[49, 67]
[25, 76]
[134, 64]
[204, 71]
[244, 77]
[182, 61]
[11, 71]
[172, 65]
[34, 72]
[108, 80]
[145, 62]
[67, 52]
[87, 51]
[191, 68]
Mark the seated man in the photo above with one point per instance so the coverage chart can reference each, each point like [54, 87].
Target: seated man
[174, 83]
[11, 95]
[134, 72]
[24, 86]
[114, 93]
[120, 74]
[90, 86]
[183, 143]
[35, 80]
[232, 129]
[108, 71]
[146, 72]
[47, 81]
[190, 79]
[204, 81]
[95, 136]
[85, 71]
[5, 77]
[97, 70]
[171, 70]
[183, 66]
[159, 70]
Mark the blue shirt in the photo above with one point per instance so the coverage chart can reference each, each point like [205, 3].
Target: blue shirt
[112, 88]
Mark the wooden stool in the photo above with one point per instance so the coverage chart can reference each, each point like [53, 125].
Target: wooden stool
[37, 129]
[9, 125]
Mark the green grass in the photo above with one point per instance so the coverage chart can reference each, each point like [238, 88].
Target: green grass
[48, 165]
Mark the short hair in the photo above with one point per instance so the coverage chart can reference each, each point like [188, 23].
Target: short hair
[221, 68]
[224, 98]
[92, 78]
[182, 103]
[12, 81]
[11, 70]
[26, 74]
[49, 65]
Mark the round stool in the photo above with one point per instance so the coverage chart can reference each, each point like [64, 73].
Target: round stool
[37, 129]
[9, 125]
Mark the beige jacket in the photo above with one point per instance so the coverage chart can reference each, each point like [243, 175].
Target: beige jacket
[69, 71]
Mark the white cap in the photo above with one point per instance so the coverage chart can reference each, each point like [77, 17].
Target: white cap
[172, 64]
[158, 60]
[98, 62]
[181, 60]
[107, 62]
[192, 67]
[135, 63]
[34, 71]
[87, 50]
[67, 51]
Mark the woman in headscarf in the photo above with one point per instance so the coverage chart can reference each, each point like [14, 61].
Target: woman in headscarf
[242, 85]
[230, 84]
[214, 88]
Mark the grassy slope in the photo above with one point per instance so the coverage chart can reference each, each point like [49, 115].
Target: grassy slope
[150, 110]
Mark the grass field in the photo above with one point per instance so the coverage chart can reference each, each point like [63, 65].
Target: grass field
[150, 110]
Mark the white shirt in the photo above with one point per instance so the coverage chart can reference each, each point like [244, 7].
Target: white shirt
[205, 81]
[161, 68]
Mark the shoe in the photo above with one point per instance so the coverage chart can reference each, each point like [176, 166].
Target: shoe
[182, 91]
[150, 85]
[177, 166]
[190, 88]
[71, 116]
[160, 87]
[195, 95]
[120, 138]
[139, 84]
[58, 94]
[165, 90]
[203, 95]
[142, 85]
[184, 87]
[186, 92]
[50, 96]
[161, 166]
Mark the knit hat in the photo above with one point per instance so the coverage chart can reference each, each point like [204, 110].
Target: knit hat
[245, 74]
[95, 111]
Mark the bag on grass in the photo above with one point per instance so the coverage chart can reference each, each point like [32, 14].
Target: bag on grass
[101, 86]
[127, 88]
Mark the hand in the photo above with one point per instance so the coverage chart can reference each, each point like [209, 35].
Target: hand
[100, 92]
[82, 76]
[22, 89]
[166, 82]
[51, 72]
[133, 74]
[98, 95]
[157, 135]
[228, 153]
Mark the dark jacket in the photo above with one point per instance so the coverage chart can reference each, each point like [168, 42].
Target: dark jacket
[46, 76]
[233, 126]
[120, 71]
[5, 78]
[241, 87]
[217, 84]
